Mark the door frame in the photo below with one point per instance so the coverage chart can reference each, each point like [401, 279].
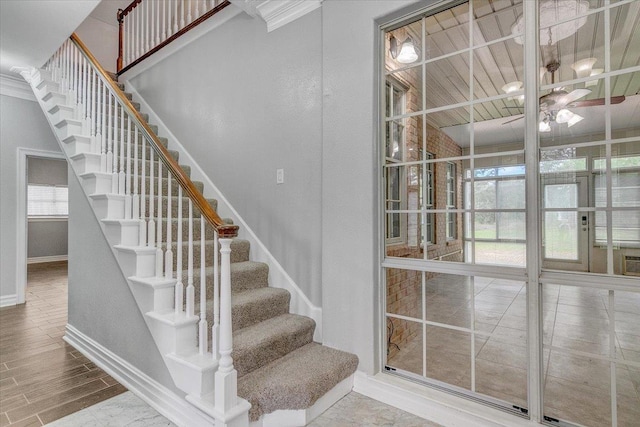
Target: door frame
[21, 215]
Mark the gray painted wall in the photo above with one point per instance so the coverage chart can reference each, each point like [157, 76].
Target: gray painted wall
[101, 304]
[244, 103]
[46, 237]
[22, 124]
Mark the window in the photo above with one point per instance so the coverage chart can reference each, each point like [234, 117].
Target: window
[625, 201]
[451, 201]
[395, 142]
[429, 219]
[47, 200]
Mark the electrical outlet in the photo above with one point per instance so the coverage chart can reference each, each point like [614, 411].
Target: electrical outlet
[279, 176]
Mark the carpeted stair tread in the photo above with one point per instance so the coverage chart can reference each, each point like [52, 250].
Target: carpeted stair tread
[264, 342]
[244, 275]
[295, 381]
[256, 305]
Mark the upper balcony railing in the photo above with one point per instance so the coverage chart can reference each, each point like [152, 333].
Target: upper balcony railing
[145, 26]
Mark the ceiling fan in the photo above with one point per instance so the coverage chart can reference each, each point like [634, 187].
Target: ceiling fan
[554, 106]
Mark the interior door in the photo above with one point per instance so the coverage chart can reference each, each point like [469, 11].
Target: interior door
[565, 229]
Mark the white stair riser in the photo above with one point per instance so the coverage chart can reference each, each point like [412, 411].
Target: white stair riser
[46, 86]
[138, 263]
[86, 162]
[51, 99]
[61, 112]
[108, 206]
[152, 299]
[77, 144]
[98, 183]
[189, 380]
[122, 233]
[171, 338]
[68, 127]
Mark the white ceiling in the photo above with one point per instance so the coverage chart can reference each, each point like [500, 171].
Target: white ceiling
[32, 30]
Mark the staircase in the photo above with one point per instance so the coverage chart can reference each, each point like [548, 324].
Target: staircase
[227, 338]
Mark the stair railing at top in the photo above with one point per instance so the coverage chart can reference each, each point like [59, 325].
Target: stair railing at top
[145, 26]
[120, 138]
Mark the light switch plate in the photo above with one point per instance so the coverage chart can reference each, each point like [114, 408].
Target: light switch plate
[279, 176]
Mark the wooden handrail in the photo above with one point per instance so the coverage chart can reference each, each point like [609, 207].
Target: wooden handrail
[223, 230]
[162, 44]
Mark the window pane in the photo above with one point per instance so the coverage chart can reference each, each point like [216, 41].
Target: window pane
[47, 200]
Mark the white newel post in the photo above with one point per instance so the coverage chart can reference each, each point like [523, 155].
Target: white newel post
[226, 377]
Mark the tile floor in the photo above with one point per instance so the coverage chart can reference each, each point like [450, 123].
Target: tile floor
[127, 410]
[576, 330]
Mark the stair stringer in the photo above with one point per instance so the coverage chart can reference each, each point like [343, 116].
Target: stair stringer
[191, 372]
[278, 277]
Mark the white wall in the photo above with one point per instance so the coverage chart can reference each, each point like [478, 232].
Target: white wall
[349, 176]
[102, 40]
[101, 304]
[22, 124]
[244, 103]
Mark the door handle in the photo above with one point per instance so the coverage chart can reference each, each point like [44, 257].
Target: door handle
[584, 220]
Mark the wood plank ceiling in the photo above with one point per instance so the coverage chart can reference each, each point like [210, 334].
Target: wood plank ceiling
[496, 64]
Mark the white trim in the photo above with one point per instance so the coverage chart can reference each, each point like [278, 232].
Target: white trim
[277, 13]
[278, 277]
[190, 36]
[16, 87]
[437, 406]
[159, 397]
[21, 215]
[7, 300]
[52, 258]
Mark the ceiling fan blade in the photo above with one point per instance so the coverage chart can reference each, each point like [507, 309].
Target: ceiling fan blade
[598, 101]
[571, 97]
[514, 120]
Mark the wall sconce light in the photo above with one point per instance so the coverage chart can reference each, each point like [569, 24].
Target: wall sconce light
[514, 86]
[406, 54]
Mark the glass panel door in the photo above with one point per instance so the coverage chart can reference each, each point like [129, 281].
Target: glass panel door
[565, 228]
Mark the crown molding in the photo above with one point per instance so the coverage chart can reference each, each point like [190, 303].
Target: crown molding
[16, 87]
[276, 13]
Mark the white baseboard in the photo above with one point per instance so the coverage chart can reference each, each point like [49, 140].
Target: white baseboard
[8, 300]
[278, 277]
[160, 398]
[437, 406]
[41, 259]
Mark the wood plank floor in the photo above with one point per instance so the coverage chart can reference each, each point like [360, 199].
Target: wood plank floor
[42, 378]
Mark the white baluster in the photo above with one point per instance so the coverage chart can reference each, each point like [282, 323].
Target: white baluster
[215, 328]
[128, 196]
[138, 32]
[179, 286]
[94, 84]
[190, 288]
[170, 26]
[116, 159]
[226, 377]
[143, 192]
[197, 13]
[109, 133]
[168, 255]
[85, 94]
[123, 158]
[159, 263]
[175, 18]
[157, 22]
[203, 290]
[188, 10]
[135, 198]
[182, 15]
[164, 20]
[151, 225]
[147, 29]
[100, 125]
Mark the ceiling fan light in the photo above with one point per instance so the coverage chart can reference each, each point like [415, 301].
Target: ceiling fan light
[407, 53]
[575, 119]
[564, 116]
[584, 67]
[594, 72]
[544, 126]
[512, 87]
